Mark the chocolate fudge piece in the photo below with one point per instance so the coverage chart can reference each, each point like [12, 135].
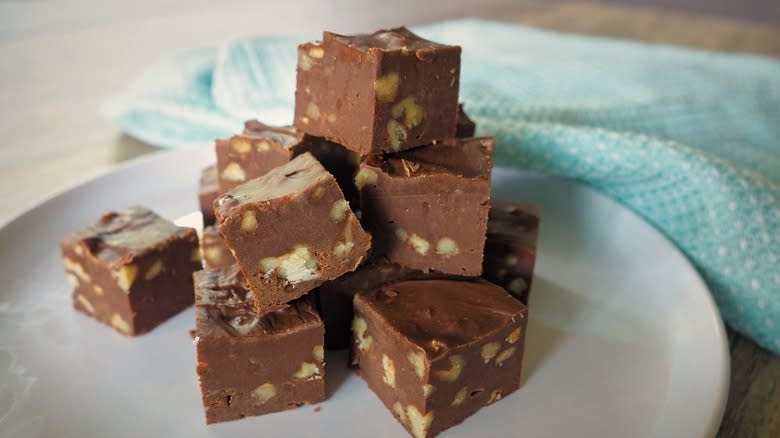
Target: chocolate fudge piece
[335, 296]
[255, 152]
[510, 248]
[249, 364]
[427, 208]
[290, 230]
[465, 127]
[208, 190]
[132, 269]
[215, 253]
[381, 92]
[436, 351]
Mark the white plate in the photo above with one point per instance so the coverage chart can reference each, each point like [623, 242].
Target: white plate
[623, 338]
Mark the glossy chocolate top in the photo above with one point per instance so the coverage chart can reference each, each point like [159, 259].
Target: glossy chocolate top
[468, 157]
[398, 39]
[286, 180]
[121, 235]
[224, 308]
[513, 221]
[439, 315]
[285, 136]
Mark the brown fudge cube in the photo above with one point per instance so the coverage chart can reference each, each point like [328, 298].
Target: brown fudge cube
[381, 92]
[208, 190]
[132, 269]
[290, 230]
[436, 351]
[215, 253]
[465, 127]
[510, 248]
[253, 365]
[252, 154]
[427, 208]
[335, 296]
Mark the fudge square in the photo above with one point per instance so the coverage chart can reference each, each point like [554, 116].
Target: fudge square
[510, 247]
[132, 269]
[427, 208]
[208, 190]
[253, 365]
[212, 246]
[436, 351]
[290, 230]
[381, 92]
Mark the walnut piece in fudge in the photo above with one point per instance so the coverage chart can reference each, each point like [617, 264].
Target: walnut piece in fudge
[436, 351]
[381, 92]
[465, 127]
[427, 208]
[290, 230]
[208, 190]
[253, 365]
[254, 153]
[215, 253]
[510, 248]
[132, 269]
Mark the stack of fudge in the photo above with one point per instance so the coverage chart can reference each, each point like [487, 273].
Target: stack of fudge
[367, 225]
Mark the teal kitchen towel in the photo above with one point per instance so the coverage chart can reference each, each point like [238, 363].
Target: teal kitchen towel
[688, 139]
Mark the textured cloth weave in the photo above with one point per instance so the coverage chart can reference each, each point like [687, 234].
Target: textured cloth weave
[688, 139]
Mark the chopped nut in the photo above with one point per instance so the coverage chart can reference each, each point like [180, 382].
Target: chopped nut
[428, 390]
[517, 286]
[396, 133]
[460, 396]
[410, 167]
[359, 327]
[313, 111]
[234, 172]
[339, 210]
[125, 276]
[120, 324]
[196, 255]
[154, 270]
[318, 353]
[494, 397]
[412, 112]
[389, 368]
[342, 249]
[316, 52]
[331, 118]
[214, 255]
[305, 120]
[504, 355]
[249, 221]
[514, 336]
[85, 303]
[386, 87]
[98, 290]
[419, 244]
[365, 176]
[304, 62]
[417, 422]
[76, 268]
[437, 344]
[489, 351]
[446, 247]
[417, 359]
[264, 392]
[241, 145]
[457, 362]
[308, 371]
[295, 266]
[318, 192]
[73, 280]
[262, 146]
[510, 260]
[399, 412]
[401, 234]
[243, 324]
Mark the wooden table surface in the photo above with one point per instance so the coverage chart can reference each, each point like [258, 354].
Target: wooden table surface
[63, 59]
